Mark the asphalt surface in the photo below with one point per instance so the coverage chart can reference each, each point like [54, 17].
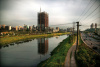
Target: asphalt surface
[91, 42]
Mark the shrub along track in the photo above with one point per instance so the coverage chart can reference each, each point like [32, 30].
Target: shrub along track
[85, 57]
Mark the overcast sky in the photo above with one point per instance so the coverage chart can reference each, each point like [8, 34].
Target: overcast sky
[20, 12]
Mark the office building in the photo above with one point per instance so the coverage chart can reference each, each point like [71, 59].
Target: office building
[30, 28]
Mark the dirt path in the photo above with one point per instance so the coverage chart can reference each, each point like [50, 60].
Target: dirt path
[70, 60]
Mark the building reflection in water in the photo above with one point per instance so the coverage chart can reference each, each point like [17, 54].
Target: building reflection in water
[42, 46]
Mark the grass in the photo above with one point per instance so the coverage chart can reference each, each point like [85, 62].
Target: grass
[58, 54]
[85, 57]
[7, 40]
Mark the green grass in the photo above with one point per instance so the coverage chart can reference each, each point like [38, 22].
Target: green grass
[7, 40]
[58, 54]
[85, 57]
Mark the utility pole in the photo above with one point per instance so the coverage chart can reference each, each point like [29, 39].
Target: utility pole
[73, 27]
[77, 34]
[73, 30]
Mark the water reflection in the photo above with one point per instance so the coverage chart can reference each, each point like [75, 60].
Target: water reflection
[42, 45]
[30, 53]
[5, 46]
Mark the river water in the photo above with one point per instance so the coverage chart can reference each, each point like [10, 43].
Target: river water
[28, 54]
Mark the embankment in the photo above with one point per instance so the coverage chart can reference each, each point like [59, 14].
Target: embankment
[7, 40]
[85, 57]
[58, 54]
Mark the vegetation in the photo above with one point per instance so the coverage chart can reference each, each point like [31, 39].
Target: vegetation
[7, 40]
[58, 54]
[85, 57]
[90, 30]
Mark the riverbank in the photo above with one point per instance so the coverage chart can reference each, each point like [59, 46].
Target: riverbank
[7, 40]
[85, 57]
[58, 54]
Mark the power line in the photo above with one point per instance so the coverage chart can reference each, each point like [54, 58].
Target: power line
[92, 12]
[79, 6]
[60, 24]
[91, 17]
[91, 21]
[89, 8]
[84, 9]
[94, 19]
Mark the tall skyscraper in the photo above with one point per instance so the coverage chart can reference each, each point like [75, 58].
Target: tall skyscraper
[95, 27]
[42, 21]
[92, 26]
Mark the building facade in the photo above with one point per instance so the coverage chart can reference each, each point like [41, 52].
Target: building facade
[42, 21]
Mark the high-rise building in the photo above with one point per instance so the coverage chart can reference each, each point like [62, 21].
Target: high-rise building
[8, 27]
[16, 28]
[57, 28]
[42, 21]
[33, 27]
[95, 27]
[0, 26]
[30, 28]
[92, 26]
[3, 26]
[20, 28]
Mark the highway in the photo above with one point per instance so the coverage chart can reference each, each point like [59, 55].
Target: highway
[91, 42]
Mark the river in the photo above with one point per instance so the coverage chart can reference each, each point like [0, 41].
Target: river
[30, 53]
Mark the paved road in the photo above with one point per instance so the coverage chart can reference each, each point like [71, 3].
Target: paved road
[70, 62]
[93, 35]
[91, 42]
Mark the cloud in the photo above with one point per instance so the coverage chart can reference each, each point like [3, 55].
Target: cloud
[20, 12]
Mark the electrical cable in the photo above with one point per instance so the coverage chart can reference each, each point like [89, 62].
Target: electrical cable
[89, 8]
[85, 9]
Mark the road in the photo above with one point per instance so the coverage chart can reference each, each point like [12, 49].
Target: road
[91, 42]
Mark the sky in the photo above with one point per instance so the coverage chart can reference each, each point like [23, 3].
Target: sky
[20, 12]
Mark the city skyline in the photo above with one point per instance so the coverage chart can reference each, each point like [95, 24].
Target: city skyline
[22, 12]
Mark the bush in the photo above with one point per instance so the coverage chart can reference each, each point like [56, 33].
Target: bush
[85, 57]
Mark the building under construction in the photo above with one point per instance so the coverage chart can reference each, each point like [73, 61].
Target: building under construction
[42, 21]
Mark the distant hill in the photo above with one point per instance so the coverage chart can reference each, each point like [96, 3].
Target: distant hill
[91, 30]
